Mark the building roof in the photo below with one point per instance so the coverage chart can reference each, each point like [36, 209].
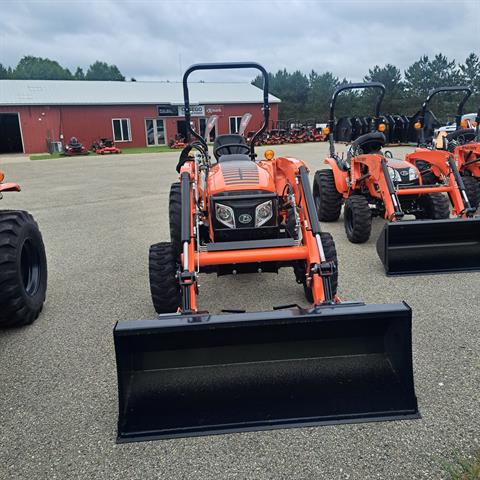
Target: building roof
[77, 92]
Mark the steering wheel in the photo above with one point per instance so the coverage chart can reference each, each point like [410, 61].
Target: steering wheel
[228, 145]
[460, 137]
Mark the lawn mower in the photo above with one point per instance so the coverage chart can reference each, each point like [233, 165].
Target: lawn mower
[23, 265]
[372, 183]
[178, 143]
[190, 372]
[105, 146]
[74, 147]
[463, 142]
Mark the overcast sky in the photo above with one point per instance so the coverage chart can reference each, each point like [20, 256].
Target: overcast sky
[152, 40]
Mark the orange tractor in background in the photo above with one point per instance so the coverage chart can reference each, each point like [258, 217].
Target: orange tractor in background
[23, 265]
[190, 372]
[370, 182]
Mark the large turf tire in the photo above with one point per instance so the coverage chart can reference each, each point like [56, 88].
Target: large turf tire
[23, 269]
[472, 189]
[328, 200]
[435, 206]
[357, 218]
[331, 256]
[164, 286]
[175, 216]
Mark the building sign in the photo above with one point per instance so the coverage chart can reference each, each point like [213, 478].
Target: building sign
[214, 109]
[195, 111]
[167, 110]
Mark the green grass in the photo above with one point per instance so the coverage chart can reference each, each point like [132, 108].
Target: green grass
[125, 151]
[465, 468]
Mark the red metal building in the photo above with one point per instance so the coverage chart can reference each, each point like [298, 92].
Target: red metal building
[35, 113]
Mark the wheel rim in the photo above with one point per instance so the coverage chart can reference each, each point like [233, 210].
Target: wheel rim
[30, 268]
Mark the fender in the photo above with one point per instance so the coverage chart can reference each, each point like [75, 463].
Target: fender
[339, 175]
[9, 187]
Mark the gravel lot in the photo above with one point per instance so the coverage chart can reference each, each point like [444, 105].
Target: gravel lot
[58, 401]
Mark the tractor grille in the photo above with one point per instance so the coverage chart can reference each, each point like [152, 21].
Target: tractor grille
[245, 173]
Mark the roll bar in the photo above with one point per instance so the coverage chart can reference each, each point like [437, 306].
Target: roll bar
[351, 86]
[227, 66]
[435, 91]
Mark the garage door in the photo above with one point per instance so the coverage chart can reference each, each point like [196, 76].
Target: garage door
[10, 134]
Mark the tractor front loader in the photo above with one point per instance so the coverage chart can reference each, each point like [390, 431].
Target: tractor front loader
[23, 265]
[370, 182]
[189, 372]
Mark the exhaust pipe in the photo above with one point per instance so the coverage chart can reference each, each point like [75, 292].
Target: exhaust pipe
[198, 374]
[430, 246]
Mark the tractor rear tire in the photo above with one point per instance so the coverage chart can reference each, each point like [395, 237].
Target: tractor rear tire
[175, 217]
[164, 286]
[330, 256]
[358, 219]
[328, 200]
[472, 189]
[23, 269]
[435, 206]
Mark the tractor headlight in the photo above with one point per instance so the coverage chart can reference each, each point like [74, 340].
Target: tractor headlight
[394, 175]
[225, 215]
[263, 213]
[412, 174]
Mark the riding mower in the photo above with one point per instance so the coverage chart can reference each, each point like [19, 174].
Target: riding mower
[372, 183]
[105, 146]
[74, 147]
[23, 265]
[190, 372]
[463, 144]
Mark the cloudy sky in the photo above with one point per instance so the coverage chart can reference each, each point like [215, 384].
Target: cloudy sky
[157, 39]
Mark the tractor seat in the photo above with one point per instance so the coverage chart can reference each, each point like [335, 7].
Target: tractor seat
[369, 143]
[230, 145]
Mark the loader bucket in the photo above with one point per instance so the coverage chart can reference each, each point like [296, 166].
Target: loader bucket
[430, 246]
[203, 374]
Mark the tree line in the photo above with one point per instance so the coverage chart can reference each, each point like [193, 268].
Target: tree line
[308, 96]
[37, 68]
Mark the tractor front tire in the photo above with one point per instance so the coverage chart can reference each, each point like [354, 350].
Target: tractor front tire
[164, 286]
[328, 200]
[330, 256]
[434, 206]
[472, 189]
[175, 217]
[23, 269]
[357, 218]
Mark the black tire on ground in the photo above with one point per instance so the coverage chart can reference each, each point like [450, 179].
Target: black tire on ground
[330, 255]
[164, 286]
[472, 189]
[23, 269]
[428, 177]
[435, 206]
[328, 200]
[357, 217]
[175, 216]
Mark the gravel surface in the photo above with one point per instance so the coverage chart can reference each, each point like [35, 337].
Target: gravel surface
[58, 400]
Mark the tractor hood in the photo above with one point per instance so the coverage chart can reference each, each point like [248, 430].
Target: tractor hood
[234, 175]
[398, 164]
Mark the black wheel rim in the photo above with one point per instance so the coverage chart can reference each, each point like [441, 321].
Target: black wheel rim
[30, 267]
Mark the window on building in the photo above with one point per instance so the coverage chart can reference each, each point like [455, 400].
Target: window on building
[235, 124]
[121, 129]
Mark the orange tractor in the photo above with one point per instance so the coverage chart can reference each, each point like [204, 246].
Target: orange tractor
[463, 143]
[23, 265]
[190, 372]
[370, 182]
